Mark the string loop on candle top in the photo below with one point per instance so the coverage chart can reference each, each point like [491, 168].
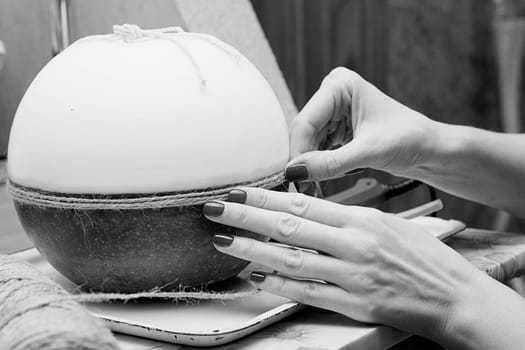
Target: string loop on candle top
[131, 32]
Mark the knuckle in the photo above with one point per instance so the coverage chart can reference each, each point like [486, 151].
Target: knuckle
[263, 199]
[375, 215]
[309, 293]
[297, 123]
[242, 214]
[369, 251]
[374, 309]
[342, 79]
[332, 81]
[300, 204]
[282, 288]
[287, 226]
[332, 165]
[371, 309]
[340, 75]
[301, 125]
[248, 248]
[292, 259]
[365, 246]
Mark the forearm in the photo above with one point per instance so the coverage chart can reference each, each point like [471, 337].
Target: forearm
[475, 164]
[490, 316]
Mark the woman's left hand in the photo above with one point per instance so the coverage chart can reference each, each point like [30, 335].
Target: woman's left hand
[373, 266]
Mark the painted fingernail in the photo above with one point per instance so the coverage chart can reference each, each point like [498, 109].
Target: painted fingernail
[298, 172]
[213, 209]
[237, 196]
[222, 240]
[355, 171]
[257, 277]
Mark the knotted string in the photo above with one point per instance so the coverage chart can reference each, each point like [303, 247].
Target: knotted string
[132, 32]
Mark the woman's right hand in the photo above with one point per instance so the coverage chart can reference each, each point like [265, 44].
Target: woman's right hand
[372, 130]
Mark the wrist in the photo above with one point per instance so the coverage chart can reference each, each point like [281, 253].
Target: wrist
[483, 315]
[458, 327]
[444, 146]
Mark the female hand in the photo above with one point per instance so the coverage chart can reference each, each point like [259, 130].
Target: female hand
[372, 129]
[377, 267]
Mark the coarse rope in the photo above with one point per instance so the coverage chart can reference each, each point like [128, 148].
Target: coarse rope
[171, 296]
[37, 313]
[25, 195]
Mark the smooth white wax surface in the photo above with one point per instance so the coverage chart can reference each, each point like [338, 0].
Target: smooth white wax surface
[109, 116]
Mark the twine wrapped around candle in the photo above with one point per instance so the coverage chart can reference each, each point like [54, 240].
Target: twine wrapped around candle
[151, 201]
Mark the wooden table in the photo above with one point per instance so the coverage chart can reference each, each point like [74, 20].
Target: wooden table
[502, 255]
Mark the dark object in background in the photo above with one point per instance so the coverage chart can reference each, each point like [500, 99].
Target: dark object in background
[3, 168]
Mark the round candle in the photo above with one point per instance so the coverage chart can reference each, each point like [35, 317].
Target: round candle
[130, 119]
[114, 115]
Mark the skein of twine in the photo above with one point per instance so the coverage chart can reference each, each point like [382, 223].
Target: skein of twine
[37, 313]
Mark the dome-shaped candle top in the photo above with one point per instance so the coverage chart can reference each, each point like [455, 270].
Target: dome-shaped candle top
[144, 112]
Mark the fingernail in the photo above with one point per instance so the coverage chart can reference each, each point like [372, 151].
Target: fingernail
[222, 240]
[213, 209]
[237, 196]
[298, 172]
[355, 171]
[257, 277]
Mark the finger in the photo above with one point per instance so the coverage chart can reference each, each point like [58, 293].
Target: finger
[324, 165]
[324, 296]
[293, 262]
[298, 204]
[283, 227]
[333, 97]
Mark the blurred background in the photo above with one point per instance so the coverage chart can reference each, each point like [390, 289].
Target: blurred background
[452, 60]
[457, 61]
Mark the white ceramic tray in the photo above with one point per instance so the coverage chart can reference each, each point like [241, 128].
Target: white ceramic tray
[203, 323]
[206, 323]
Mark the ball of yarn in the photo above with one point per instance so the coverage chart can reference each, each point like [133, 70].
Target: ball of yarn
[37, 313]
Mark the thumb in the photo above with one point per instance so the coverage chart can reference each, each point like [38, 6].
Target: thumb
[324, 165]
